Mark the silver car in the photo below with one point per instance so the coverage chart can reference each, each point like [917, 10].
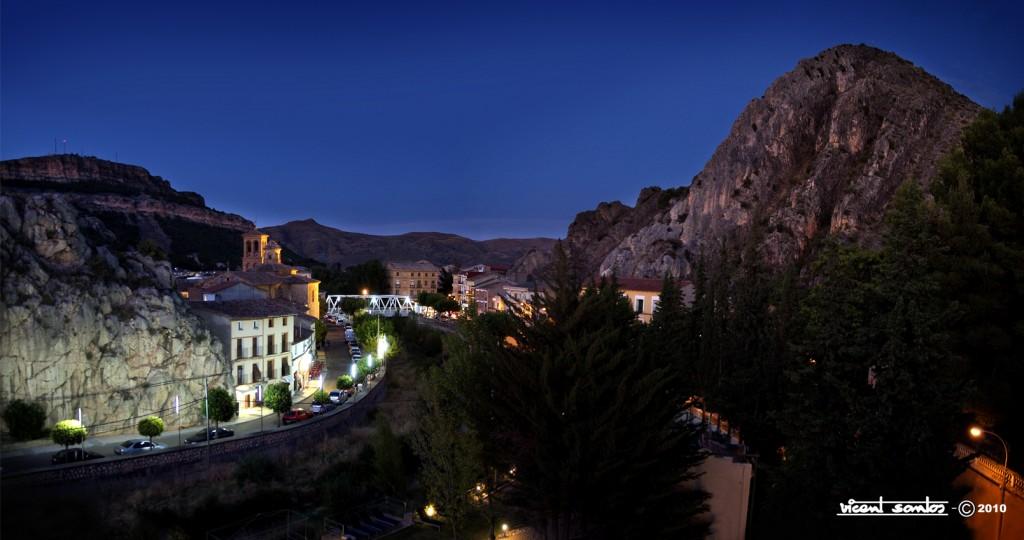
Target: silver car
[137, 446]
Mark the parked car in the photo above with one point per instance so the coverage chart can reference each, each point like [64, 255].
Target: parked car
[338, 396]
[214, 434]
[296, 415]
[73, 455]
[137, 446]
[320, 408]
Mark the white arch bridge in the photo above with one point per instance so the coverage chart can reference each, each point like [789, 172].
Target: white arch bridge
[387, 305]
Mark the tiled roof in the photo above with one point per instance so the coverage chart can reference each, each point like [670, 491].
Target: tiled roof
[420, 266]
[251, 308]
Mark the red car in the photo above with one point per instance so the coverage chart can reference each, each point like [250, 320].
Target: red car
[296, 415]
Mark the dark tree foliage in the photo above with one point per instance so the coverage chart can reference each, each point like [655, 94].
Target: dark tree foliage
[444, 282]
[981, 190]
[585, 412]
[24, 419]
[875, 394]
[370, 276]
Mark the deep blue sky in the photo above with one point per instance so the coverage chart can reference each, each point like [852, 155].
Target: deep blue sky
[484, 119]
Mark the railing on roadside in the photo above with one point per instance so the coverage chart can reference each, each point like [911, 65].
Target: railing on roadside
[991, 469]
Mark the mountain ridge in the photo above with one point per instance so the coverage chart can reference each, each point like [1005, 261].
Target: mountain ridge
[314, 240]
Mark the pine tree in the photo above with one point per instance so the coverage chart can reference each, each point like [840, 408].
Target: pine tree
[585, 414]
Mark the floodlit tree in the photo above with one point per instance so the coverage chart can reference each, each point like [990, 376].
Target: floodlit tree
[68, 432]
[344, 382]
[24, 419]
[151, 426]
[279, 399]
[221, 405]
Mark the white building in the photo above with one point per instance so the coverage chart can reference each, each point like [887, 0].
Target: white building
[266, 341]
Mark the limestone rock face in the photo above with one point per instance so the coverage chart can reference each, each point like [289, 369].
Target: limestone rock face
[83, 324]
[594, 233]
[822, 152]
[136, 206]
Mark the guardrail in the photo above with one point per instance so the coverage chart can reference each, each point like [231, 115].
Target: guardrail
[991, 469]
[181, 460]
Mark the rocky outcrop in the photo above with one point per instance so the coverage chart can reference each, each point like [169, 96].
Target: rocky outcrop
[822, 152]
[594, 233]
[136, 206]
[84, 324]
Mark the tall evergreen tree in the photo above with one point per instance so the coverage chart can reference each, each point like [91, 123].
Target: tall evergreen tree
[586, 416]
[875, 393]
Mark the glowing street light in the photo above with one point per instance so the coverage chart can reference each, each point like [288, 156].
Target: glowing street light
[369, 361]
[382, 346]
[353, 371]
[366, 292]
[977, 433]
[321, 381]
[430, 511]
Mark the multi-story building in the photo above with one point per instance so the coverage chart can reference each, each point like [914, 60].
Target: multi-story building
[263, 276]
[412, 278]
[265, 341]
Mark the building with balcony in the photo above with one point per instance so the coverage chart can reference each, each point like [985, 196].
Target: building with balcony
[265, 340]
[412, 278]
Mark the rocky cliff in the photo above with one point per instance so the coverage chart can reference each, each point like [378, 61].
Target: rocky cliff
[821, 153]
[86, 324]
[136, 206]
[333, 246]
[594, 233]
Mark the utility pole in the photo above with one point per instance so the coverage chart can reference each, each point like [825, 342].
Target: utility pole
[206, 394]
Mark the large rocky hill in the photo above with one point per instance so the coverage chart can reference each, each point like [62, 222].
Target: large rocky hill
[820, 153]
[86, 323]
[135, 205]
[312, 240]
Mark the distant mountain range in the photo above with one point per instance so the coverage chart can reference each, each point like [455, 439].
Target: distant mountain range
[312, 240]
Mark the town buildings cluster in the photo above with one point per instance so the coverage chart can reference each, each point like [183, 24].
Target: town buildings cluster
[264, 316]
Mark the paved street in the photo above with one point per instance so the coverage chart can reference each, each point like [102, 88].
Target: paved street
[36, 454]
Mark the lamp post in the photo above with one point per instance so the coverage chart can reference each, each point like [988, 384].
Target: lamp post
[978, 433]
[177, 413]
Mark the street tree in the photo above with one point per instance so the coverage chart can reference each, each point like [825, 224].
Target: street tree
[24, 419]
[221, 405]
[321, 396]
[279, 399]
[344, 382]
[68, 432]
[151, 426]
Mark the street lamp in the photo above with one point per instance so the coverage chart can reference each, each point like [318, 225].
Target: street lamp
[369, 361]
[430, 511]
[978, 433]
[365, 292]
[353, 371]
[382, 346]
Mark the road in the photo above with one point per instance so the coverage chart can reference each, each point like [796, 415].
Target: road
[38, 456]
